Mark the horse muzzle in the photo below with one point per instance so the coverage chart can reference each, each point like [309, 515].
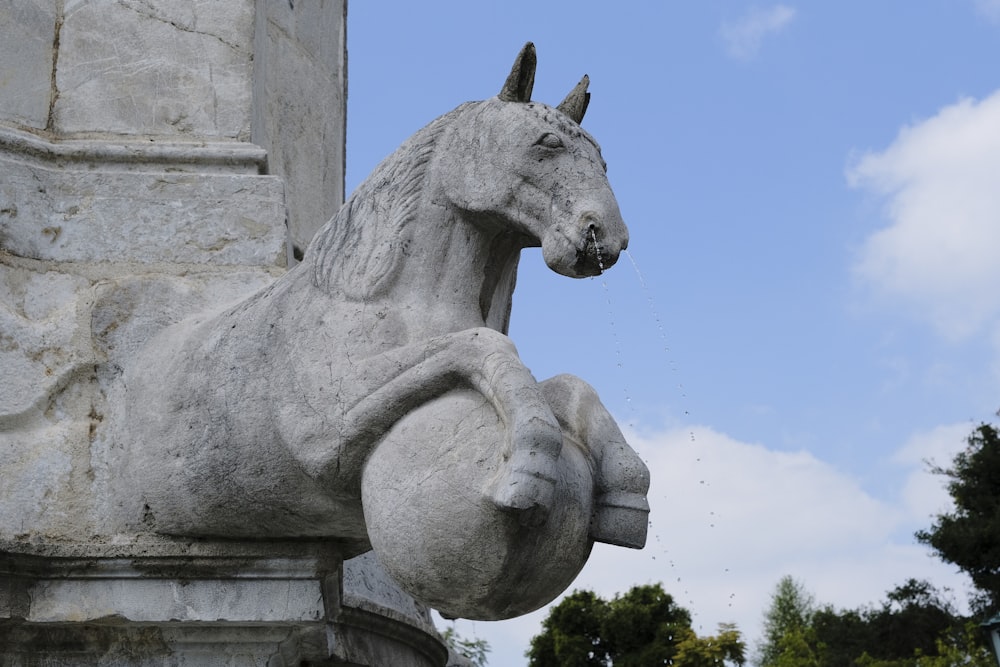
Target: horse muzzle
[588, 246]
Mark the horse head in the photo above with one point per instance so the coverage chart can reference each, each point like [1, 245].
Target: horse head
[531, 168]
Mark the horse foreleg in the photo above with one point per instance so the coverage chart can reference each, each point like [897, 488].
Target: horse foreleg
[378, 391]
[621, 479]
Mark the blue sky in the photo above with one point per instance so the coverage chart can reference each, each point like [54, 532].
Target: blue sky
[813, 196]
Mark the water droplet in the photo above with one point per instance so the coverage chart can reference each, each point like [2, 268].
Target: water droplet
[597, 250]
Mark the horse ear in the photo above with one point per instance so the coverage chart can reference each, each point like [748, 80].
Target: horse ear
[575, 104]
[522, 76]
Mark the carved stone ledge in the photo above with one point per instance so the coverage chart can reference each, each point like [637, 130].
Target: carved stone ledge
[80, 200]
[133, 154]
[167, 602]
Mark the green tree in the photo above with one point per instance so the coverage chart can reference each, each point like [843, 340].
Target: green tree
[916, 626]
[785, 622]
[474, 650]
[969, 537]
[571, 633]
[962, 649]
[913, 621]
[640, 628]
[798, 648]
[841, 636]
[725, 647]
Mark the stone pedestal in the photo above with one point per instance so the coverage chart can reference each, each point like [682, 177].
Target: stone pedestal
[167, 603]
[159, 158]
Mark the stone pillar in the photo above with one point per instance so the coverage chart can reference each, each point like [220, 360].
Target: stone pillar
[299, 107]
[158, 158]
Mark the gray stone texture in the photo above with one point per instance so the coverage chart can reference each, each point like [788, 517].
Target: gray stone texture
[157, 602]
[155, 67]
[196, 437]
[82, 216]
[131, 197]
[26, 57]
[300, 105]
[371, 393]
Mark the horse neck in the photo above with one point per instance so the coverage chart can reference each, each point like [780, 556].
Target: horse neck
[458, 272]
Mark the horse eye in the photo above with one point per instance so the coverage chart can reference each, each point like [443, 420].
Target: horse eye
[550, 140]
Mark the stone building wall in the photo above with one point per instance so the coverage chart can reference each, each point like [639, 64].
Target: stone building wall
[182, 74]
[157, 158]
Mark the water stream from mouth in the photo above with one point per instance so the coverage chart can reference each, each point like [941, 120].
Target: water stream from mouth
[661, 330]
[611, 321]
[712, 517]
[597, 250]
[676, 581]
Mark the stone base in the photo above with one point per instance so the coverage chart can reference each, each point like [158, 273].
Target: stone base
[195, 604]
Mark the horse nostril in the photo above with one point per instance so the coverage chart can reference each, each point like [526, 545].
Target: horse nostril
[592, 220]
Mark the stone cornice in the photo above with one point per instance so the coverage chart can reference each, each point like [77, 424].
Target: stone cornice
[130, 154]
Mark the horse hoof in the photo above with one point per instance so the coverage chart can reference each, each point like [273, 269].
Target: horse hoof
[529, 514]
[527, 496]
[621, 519]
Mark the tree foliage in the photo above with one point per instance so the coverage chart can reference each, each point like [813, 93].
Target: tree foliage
[964, 648]
[785, 622]
[909, 623]
[724, 648]
[916, 626]
[473, 650]
[640, 628]
[969, 536]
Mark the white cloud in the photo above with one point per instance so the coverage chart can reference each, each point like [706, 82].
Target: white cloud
[743, 37]
[940, 254]
[925, 494]
[990, 9]
[729, 519]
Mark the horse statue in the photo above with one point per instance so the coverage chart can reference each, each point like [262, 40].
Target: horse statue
[370, 394]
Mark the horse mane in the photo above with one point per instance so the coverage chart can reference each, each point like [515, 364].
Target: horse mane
[359, 250]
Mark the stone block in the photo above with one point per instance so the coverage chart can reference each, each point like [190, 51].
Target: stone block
[70, 215]
[64, 338]
[171, 603]
[155, 68]
[300, 106]
[41, 341]
[26, 57]
[163, 600]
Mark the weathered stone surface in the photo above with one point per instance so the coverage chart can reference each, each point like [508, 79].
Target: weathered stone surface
[259, 420]
[472, 560]
[155, 67]
[64, 339]
[158, 602]
[366, 579]
[42, 339]
[166, 432]
[148, 600]
[48, 369]
[26, 55]
[300, 106]
[70, 215]
[130, 198]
